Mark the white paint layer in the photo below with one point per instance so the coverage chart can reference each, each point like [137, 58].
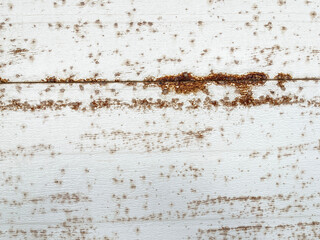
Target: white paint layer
[131, 40]
[126, 171]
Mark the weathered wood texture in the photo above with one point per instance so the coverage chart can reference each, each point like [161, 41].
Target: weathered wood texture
[144, 160]
[131, 40]
[119, 161]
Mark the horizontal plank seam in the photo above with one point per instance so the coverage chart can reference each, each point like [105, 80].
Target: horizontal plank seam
[145, 81]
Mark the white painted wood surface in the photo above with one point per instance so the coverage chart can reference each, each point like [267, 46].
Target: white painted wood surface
[131, 40]
[129, 171]
[130, 161]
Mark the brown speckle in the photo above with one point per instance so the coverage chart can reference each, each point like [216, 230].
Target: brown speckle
[313, 14]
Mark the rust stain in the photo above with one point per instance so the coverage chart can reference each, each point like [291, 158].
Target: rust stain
[150, 140]
[254, 228]
[19, 51]
[71, 80]
[282, 77]
[16, 104]
[3, 80]
[245, 99]
[186, 83]
[182, 83]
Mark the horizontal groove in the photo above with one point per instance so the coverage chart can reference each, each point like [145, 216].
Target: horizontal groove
[146, 81]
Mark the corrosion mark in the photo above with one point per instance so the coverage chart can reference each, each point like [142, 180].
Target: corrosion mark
[254, 228]
[182, 83]
[19, 51]
[186, 83]
[71, 80]
[16, 104]
[3, 80]
[246, 99]
[282, 77]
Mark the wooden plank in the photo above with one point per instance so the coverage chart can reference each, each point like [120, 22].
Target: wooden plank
[187, 159]
[131, 40]
[131, 161]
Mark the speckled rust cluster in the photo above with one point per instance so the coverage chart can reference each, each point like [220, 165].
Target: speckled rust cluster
[3, 80]
[70, 80]
[246, 100]
[186, 83]
[282, 77]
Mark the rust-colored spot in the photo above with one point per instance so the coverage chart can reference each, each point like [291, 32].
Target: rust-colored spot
[16, 104]
[182, 83]
[3, 80]
[71, 80]
[19, 51]
[186, 83]
[282, 77]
